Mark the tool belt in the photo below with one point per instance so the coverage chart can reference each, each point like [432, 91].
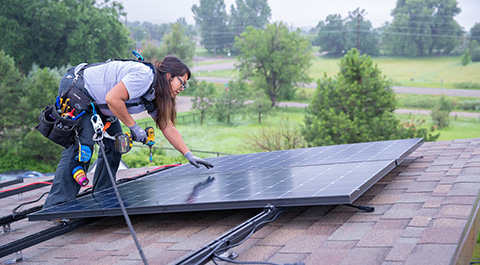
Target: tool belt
[61, 122]
[60, 130]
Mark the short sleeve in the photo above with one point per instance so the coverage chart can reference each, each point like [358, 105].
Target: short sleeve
[138, 81]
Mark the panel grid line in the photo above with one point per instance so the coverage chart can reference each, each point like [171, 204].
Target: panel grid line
[310, 176]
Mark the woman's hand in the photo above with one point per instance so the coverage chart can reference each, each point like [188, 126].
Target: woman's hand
[138, 134]
[195, 161]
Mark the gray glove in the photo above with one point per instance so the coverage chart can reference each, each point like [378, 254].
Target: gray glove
[138, 134]
[195, 160]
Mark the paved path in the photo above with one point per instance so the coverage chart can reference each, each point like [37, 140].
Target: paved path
[397, 89]
[185, 104]
[214, 67]
[399, 111]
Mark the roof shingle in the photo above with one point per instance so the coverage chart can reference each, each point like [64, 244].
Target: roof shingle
[424, 211]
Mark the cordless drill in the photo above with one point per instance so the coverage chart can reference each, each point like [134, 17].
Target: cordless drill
[123, 142]
[150, 140]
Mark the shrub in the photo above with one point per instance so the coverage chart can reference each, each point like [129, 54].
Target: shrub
[286, 136]
[465, 59]
[441, 112]
[473, 105]
[468, 85]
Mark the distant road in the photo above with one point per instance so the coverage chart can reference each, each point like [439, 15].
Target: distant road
[185, 104]
[214, 67]
[437, 91]
[399, 111]
[397, 89]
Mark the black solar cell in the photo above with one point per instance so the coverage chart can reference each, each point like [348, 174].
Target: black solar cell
[311, 176]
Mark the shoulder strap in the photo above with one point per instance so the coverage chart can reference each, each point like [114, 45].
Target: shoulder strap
[148, 99]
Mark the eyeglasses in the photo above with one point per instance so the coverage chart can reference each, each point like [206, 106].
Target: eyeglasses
[184, 86]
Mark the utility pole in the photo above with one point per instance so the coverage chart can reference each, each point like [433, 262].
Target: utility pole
[358, 30]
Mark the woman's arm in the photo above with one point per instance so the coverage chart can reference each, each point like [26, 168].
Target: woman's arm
[115, 99]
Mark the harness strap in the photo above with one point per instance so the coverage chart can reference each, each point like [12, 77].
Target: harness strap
[148, 99]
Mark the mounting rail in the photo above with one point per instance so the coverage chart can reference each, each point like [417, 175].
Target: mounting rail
[232, 237]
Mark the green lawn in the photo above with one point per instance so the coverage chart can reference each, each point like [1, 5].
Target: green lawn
[214, 136]
[431, 72]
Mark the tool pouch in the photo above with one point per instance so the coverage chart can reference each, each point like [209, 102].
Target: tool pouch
[77, 99]
[58, 129]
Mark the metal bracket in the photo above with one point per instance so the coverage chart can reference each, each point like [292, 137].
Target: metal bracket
[18, 258]
[363, 208]
[7, 229]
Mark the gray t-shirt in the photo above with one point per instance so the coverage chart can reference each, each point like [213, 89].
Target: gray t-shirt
[137, 77]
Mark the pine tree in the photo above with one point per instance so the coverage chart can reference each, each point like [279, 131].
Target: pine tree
[356, 106]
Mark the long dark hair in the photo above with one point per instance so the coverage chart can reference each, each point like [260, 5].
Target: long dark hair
[166, 105]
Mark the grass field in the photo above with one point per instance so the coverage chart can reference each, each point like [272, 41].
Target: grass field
[430, 72]
[434, 72]
[214, 136]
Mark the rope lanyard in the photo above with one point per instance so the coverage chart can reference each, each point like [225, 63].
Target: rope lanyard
[99, 133]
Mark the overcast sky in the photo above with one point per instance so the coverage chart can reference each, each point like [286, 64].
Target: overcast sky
[299, 13]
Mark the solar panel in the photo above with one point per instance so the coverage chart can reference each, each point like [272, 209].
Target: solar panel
[311, 176]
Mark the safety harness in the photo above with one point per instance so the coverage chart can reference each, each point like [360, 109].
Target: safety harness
[148, 99]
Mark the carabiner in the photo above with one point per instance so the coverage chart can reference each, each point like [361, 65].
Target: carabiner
[97, 127]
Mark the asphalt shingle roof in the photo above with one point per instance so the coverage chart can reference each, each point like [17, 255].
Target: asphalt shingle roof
[426, 212]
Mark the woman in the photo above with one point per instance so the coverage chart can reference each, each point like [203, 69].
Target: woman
[120, 86]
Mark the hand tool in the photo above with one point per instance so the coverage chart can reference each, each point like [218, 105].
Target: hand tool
[65, 107]
[150, 140]
[78, 116]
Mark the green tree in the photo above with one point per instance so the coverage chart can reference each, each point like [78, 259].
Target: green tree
[337, 35]
[275, 59]
[255, 13]
[151, 52]
[147, 31]
[97, 34]
[475, 32]
[474, 50]
[331, 35]
[211, 16]
[54, 33]
[22, 147]
[12, 89]
[261, 105]
[38, 152]
[422, 27]
[231, 101]
[202, 99]
[356, 106]
[178, 44]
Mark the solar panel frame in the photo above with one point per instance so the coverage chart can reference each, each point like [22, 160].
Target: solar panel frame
[310, 176]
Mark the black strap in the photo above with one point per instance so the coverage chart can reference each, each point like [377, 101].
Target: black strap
[148, 99]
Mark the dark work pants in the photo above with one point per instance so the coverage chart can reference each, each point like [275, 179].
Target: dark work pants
[64, 187]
